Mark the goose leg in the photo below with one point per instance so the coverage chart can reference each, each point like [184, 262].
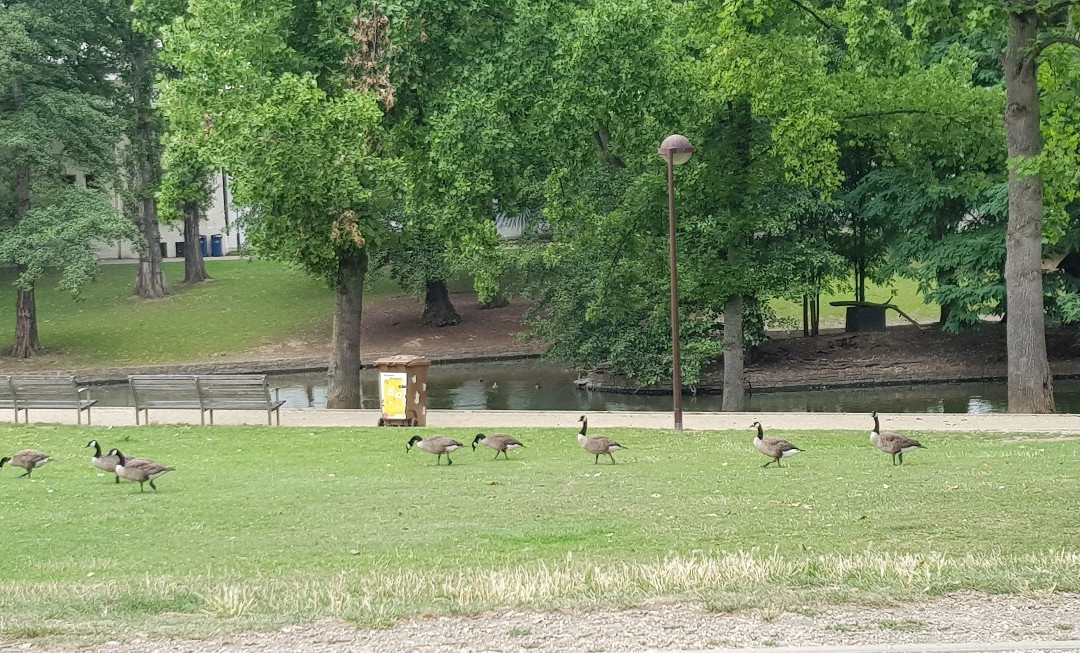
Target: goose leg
[438, 460]
[26, 473]
[894, 459]
[496, 454]
[778, 463]
[140, 486]
[117, 479]
[448, 461]
[767, 464]
[612, 458]
[901, 457]
[152, 485]
[596, 459]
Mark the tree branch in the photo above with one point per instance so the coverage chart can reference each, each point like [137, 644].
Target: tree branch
[1051, 40]
[810, 11]
[892, 112]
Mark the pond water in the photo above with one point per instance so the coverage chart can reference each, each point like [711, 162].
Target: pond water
[543, 385]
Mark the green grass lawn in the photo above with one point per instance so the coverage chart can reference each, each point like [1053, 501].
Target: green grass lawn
[260, 527]
[902, 292]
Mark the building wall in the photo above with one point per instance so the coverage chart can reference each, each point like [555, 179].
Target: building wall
[220, 219]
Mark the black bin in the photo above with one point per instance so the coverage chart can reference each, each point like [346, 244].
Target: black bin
[164, 249]
[179, 249]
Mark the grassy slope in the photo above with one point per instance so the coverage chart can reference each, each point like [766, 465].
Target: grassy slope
[260, 527]
[247, 305]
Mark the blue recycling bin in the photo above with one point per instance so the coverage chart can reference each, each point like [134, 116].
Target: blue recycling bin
[202, 245]
[215, 245]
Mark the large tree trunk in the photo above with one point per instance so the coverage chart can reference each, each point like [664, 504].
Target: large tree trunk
[1030, 383]
[734, 399]
[26, 334]
[438, 309]
[343, 376]
[146, 150]
[194, 266]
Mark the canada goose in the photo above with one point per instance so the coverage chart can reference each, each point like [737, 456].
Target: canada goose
[499, 442]
[892, 442]
[139, 470]
[597, 445]
[774, 448]
[105, 463]
[28, 459]
[436, 444]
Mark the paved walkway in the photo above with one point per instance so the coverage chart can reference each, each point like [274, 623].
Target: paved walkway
[1066, 424]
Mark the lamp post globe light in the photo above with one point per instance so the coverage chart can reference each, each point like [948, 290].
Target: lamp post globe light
[676, 150]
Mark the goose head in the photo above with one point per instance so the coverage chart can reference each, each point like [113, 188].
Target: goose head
[476, 440]
[411, 442]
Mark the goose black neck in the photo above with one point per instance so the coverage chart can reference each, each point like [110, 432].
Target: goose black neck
[97, 449]
[760, 431]
[877, 427]
[584, 426]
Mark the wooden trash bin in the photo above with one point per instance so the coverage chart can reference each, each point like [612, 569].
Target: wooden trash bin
[403, 390]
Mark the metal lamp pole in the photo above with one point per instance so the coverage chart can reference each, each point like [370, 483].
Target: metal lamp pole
[676, 150]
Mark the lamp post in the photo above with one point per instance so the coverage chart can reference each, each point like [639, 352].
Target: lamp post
[676, 150]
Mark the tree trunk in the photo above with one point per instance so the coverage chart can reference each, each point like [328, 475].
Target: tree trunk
[438, 309]
[1030, 383]
[146, 151]
[343, 375]
[498, 301]
[194, 266]
[26, 333]
[734, 391]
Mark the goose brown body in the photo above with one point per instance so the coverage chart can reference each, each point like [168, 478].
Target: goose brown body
[500, 442]
[598, 445]
[106, 463]
[891, 442]
[140, 470]
[28, 459]
[439, 445]
[774, 448]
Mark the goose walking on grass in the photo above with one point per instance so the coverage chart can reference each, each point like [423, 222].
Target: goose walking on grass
[500, 442]
[437, 444]
[28, 459]
[139, 470]
[774, 448]
[892, 442]
[597, 445]
[105, 463]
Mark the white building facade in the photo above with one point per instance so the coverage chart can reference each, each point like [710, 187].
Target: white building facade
[220, 231]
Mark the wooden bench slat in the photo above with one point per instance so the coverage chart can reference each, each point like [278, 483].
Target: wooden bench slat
[206, 392]
[49, 392]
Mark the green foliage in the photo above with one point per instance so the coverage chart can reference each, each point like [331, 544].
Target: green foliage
[59, 232]
[56, 118]
[307, 159]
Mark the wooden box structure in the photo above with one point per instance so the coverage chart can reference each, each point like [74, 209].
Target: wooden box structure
[403, 390]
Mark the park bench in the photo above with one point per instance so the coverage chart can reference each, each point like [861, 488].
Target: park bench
[238, 392]
[49, 392]
[7, 396]
[164, 392]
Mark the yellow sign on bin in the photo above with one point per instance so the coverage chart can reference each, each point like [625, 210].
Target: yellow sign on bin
[392, 387]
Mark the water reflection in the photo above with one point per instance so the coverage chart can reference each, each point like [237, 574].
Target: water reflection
[540, 385]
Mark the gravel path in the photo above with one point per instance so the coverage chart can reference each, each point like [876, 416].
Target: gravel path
[962, 618]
